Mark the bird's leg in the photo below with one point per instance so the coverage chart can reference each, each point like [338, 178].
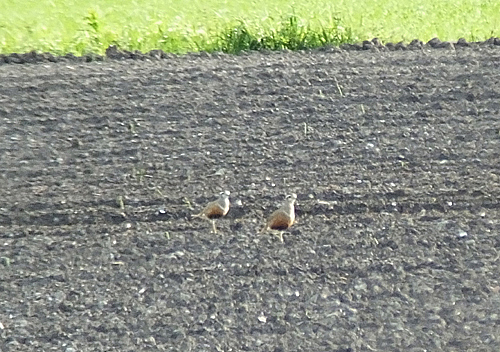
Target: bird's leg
[279, 235]
[213, 225]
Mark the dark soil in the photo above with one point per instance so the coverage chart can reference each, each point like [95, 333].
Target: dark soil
[394, 156]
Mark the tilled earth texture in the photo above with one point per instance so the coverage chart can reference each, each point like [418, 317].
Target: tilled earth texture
[394, 156]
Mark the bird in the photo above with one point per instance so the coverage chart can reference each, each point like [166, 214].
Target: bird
[216, 209]
[281, 219]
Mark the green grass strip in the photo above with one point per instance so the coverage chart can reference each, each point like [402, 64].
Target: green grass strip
[178, 26]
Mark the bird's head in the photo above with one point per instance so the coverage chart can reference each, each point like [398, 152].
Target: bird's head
[225, 194]
[291, 198]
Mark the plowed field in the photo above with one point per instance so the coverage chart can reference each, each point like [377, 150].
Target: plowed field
[394, 156]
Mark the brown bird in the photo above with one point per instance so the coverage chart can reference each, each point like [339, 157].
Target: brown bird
[216, 209]
[282, 218]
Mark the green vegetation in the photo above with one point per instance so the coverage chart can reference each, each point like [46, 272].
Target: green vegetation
[180, 26]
